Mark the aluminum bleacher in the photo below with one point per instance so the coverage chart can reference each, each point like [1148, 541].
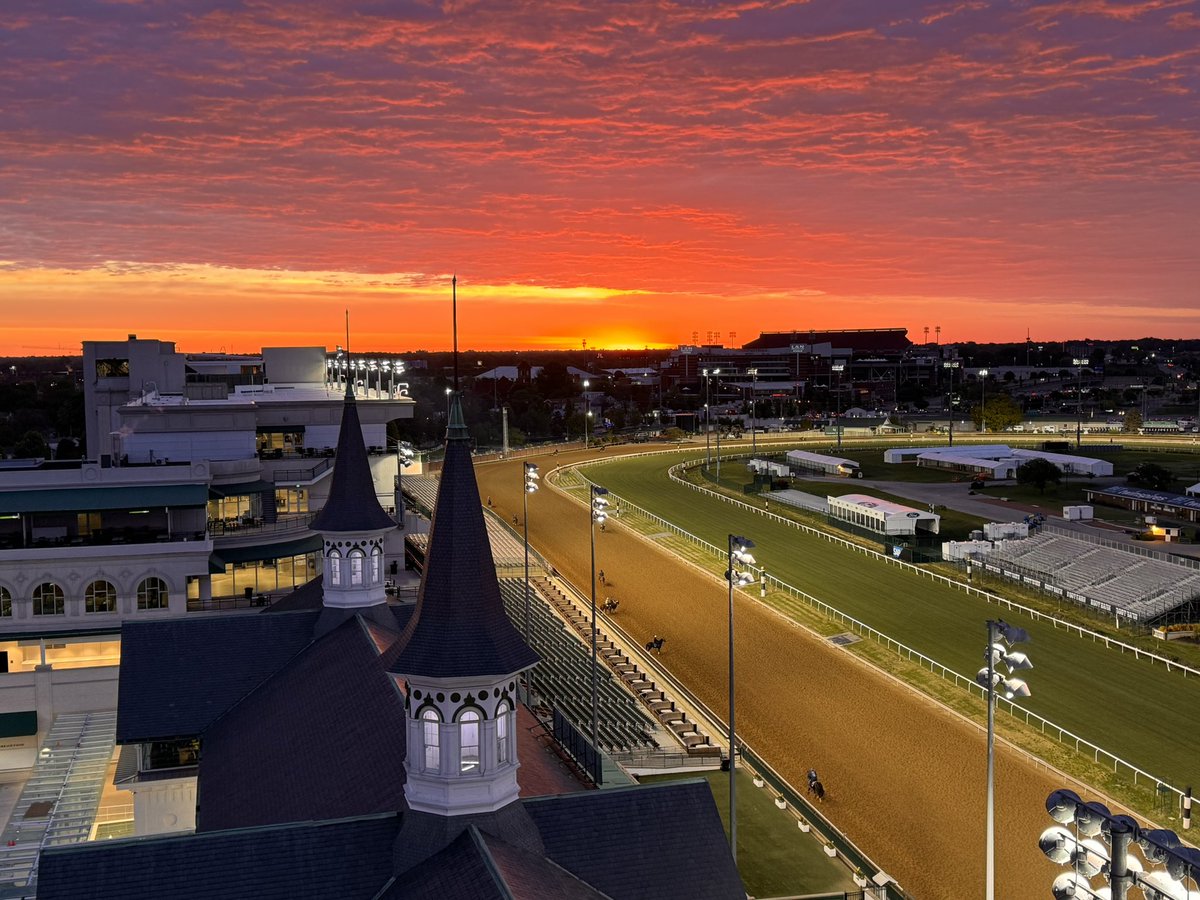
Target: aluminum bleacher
[1117, 581]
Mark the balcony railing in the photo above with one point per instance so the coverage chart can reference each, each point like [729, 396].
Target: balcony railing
[100, 538]
[247, 526]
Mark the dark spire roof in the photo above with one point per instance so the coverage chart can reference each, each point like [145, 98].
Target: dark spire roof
[460, 627]
[352, 504]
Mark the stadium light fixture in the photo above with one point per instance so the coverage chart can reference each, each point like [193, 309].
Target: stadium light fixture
[739, 554]
[587, 412]
[598, 512]
[1079, 364]
[997, 653]
[1105, 850]
[950, 365]
[405, 456]
[753, 373]
[983, 374]
[707, 373]
[531, 486]
[839, 368]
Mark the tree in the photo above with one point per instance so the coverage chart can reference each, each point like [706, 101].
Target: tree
[1038, 472]
[998, 413]
[1152, 476]
[1133, 420]
[68, 448]
[31, 446]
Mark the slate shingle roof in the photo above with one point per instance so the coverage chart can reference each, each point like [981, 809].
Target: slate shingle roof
[166, 684]
[352, 504]
[483, 867]
[656, 842]
[338, 719]
[460, 627]
[349, 860]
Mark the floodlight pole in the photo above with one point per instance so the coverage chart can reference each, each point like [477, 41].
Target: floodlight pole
[1079, 363]
[991, 764]
[530, 470]
[595, 491]
[753, 373]
[732, 729]
[707, 414]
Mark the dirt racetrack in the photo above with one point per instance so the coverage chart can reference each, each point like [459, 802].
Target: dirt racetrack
[906, 779]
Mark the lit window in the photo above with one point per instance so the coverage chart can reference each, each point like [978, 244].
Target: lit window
[502, 714]
[468, 732]
[356, 566]
[100, 597]
[335, 567]
[432, 740]
[48, 600]
[376, 565]
[152, 594]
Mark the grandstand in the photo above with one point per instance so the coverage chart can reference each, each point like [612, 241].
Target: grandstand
[1118, 582]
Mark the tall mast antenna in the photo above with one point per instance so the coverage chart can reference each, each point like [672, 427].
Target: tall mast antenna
[454, 317]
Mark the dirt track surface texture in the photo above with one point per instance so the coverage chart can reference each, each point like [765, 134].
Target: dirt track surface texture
[906, 779]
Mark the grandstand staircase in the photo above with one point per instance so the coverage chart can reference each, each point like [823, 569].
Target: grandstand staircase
[59, 801]
[664, 710]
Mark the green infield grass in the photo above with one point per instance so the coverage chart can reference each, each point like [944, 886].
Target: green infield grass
[1128, 706]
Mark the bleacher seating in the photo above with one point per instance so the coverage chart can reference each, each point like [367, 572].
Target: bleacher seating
[564, 675]
[1140, 587]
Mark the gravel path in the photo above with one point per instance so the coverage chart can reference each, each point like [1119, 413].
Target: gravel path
[906, 779]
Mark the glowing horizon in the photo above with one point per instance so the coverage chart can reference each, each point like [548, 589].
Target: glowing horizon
[647, 173]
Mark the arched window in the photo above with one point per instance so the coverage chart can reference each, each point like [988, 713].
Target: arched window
[357, 558]
[5, 602]
[468, 741]
[48, 600]
[431, 738]
[335, 567]
[100, 597]
[152, 594]
[503, 710]
[376, 565]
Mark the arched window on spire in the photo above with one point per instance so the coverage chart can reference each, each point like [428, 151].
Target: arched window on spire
[468, 741]
[503, 732]
[335, 566]
[431, 738]
[376, 564]
[357, 558]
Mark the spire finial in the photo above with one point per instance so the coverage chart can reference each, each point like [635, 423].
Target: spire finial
[349, 386]
[454, 315]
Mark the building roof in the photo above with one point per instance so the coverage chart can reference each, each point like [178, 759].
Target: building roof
[855, 338]
[166, 685]
[484, 867]
[84, 499]
[336, 702]
[885, 507]
[352, 504]
[460, 628]
[1179, 501]
[304, 861]
[679, 842]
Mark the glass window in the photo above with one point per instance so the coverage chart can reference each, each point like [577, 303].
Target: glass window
[376, 565]
[357, 558]
[152, 594]
[468, 731]
[5, 602]
[335, 567]
[502, 714]
[432, 739]
[170, 754]
[100, 597]
[48, 600]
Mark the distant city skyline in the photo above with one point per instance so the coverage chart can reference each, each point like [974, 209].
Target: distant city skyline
[233, 175]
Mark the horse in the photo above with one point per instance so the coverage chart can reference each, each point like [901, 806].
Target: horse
[610, 604]
[655, 644]
[818, 789]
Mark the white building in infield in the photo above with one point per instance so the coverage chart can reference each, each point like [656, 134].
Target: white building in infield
[883, 516]
[806, 461]
[996, 461]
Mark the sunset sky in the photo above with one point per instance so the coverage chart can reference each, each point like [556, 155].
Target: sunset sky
[236, 174]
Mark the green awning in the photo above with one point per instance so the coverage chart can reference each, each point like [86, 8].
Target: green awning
[221, 491]
[18, 724]
[216, 565]
[90, 499]
[258, 552]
